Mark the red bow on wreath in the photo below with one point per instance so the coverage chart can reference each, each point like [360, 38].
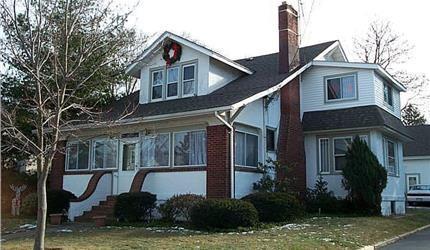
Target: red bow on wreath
[177, 50]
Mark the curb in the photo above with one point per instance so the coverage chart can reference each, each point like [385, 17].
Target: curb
[394, 239]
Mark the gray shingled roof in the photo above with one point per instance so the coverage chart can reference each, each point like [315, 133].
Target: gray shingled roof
[350, 118]
[265, 75]
[421, 144]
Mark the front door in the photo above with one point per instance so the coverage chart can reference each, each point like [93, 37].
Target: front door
[412, 179]
[128, 164]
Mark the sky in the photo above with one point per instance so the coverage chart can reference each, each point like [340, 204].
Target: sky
[245, 28]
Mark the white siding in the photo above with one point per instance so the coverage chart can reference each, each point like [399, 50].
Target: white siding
[219, 75]
[418, 166]
[379, 97]
[244, 183]
[165, 185]
[313, 94]
[76, 183]
[157, 61]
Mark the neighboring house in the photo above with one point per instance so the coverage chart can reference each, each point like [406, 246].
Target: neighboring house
[202, 124]
[416, 156]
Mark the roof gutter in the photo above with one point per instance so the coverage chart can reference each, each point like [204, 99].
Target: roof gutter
[138, 120]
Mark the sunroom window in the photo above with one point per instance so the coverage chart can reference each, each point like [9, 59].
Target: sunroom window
[342, 87]
[155, 150]
[246, 149]
[190, 148]
[77, 155]
[105, 154]
[188, 80]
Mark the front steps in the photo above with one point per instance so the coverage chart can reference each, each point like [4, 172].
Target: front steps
[104, 208]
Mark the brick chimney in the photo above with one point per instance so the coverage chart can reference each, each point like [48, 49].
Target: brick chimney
[288, 38]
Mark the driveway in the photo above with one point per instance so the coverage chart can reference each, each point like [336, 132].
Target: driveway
[416, 241]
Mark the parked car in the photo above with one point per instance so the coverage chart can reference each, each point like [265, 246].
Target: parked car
[418, 194]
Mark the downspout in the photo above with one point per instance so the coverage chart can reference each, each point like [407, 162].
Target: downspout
[232, 172]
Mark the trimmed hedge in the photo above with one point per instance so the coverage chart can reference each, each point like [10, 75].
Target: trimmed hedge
[275, 207]
[223, 213]
[179, 207]
[59, 201]
[133, 207]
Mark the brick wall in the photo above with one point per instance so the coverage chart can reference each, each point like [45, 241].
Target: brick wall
[291, 139]
[218, 181]
[57, 169]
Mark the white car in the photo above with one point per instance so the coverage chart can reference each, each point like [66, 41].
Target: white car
[418, 194]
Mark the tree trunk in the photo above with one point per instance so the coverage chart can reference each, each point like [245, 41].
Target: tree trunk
[39, 242]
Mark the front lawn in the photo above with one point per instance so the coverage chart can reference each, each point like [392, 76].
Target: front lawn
[308, 233]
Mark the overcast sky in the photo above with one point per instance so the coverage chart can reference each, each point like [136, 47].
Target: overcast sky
[243, 28]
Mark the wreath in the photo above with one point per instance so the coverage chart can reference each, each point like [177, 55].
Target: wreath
[177, 50]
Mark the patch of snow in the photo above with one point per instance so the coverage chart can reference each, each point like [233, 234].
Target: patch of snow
[65, 231]
[28, 226]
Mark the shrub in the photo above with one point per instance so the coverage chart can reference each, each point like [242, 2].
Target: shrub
[275, 207]
[179, 206]
[29, 205]
[320, 199]
[275, 178]
[364, 178]
[223, 213]
[133, 207]
[59, 201]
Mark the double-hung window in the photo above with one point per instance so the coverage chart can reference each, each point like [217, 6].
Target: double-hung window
[341, 87]
[246, 149]
[155, 150]
[157, 85]
[172, 82]
[390, 156]
[188, 80]
[190, 148]
[388, 94]
[77, 155]
[104, 154]
[340, 146]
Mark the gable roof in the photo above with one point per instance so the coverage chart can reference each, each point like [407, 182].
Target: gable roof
[421, 144]
[265, 76]
[353, 118]
[134, 68]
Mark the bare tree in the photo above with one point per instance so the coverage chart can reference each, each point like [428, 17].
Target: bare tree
[57, 48]
[382, 45]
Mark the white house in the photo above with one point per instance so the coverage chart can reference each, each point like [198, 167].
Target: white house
[201, 123]
[416, 156]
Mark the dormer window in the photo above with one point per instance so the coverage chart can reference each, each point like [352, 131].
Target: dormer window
[172, 82]
[341, 87]
[388, 94]
[157, 85]
[188, 80]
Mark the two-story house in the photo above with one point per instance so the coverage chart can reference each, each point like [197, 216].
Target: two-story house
[201, 123]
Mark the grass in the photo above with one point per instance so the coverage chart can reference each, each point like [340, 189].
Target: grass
[9, 223]
[307, 233]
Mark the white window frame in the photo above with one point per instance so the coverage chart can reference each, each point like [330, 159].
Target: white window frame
[386, 85]
[77, 157]
[334, 151]
[177, 83]
[162, 84]
[386, 157]
[258, 148]
[93, 155]
[340, 77]
[194, 79]
[142, 137]
[319, 155]
[174, 143]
